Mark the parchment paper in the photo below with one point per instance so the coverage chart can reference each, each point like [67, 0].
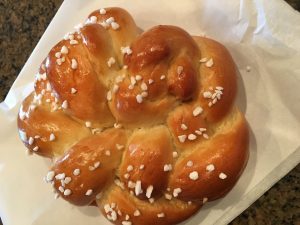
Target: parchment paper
[259, 34]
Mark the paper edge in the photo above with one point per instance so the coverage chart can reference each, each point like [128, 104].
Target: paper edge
[261, 188]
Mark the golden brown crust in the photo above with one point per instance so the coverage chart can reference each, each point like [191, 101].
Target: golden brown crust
[156, 56]
[147, 153]
[96, 159]
[89, 101]
[183, 115]
[226, 153]
[143, 124]
[39, 126]
[126, 32]
[222, 73]
[160, 212]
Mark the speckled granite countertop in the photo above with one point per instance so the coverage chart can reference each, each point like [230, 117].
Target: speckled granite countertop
[21, 25]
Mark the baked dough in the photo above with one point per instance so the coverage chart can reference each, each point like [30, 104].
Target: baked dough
[141, 124]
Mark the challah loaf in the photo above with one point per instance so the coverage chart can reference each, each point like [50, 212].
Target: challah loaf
[141, 124]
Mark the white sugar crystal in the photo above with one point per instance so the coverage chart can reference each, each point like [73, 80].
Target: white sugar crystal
[74, 64]
[76, 172]
[111, 61]
[139, 99]
[64, 50]
[209, 63]
[210, 167]
[149, 191]
[197, 111]
[182, 138]
[222, 176]
[89, 192]
[51, 137]
[115, 26]
[93, 19]
[102, 11]
[64, 104]
[194, 175]
[138, 188]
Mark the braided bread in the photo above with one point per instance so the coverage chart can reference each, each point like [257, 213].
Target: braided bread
[141, 124]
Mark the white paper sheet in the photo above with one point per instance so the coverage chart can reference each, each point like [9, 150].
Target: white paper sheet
[259, 34]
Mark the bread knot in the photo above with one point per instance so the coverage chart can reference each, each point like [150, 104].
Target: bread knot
[143, 125]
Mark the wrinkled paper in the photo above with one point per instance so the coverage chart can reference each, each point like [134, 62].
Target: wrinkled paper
[258, 34]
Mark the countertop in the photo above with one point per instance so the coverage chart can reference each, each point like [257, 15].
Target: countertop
[21, 25]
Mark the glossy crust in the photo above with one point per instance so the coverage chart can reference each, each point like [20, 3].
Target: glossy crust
[161, 212]
[226, 149]
[142, 125]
